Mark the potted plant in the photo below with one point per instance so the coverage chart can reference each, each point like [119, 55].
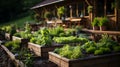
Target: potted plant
[48, 16]
[95, 24]
[61, 12]
[89, 8]
[9, 31]
[103, 22]
[23, 36]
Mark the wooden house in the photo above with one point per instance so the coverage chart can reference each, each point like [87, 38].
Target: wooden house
[87, 9]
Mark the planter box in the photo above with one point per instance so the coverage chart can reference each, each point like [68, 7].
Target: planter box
[42, 51]
[17, 63]
[8, 36]
[109, 60]
[37, 61]
[23, 41]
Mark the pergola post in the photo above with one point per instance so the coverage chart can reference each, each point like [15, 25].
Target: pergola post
[84, 8]
[105, 7]
[117, 14]
[77, 10]
[70, 11]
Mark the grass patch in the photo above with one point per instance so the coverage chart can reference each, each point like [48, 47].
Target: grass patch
[19, 22]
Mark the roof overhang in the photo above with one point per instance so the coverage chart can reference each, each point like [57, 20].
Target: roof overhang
[46, 4]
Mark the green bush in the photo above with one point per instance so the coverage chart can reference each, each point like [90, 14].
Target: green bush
[10, 29]
[69, 32]
[43, 39]
[25, 56]
[17, 34]
[23, 34]
[13, 45]
[76, 53]
[61, 11]
[116, 49]
[66, 51]
[27, 28]
[98, 52]
[91, 49]
[33, 39]
[70, 39]
[78, 28]
[107, 42]
[104, 46]
[44, 32]
[57, 50]
[62, 34]
[105, 50]
[70, 52]
[83, 36]
[48, 15]
[88, 44]
[55, 32]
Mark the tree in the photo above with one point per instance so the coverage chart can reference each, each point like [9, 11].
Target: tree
[10, 9]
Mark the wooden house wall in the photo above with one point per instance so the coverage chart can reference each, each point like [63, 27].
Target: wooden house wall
[114, 19]
[118, 14]
[112, 25]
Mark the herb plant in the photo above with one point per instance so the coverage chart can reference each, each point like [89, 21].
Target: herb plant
[70, 52]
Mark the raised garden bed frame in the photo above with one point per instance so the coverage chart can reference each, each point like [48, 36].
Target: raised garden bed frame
[42, 51]
[108, 60]
[24, 42]
[17, 63]
[8, 36]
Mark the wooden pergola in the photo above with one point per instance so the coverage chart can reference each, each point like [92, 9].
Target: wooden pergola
[78, 9]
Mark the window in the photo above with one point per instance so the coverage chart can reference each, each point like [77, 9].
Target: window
[100, 8]
[110, 5]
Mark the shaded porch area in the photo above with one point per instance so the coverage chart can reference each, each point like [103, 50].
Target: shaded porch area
[79, 12]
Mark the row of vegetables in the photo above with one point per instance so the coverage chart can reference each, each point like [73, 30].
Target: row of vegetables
[49, 36]
[42, 37]
[105, 46]
[23, 54]
[46, 36]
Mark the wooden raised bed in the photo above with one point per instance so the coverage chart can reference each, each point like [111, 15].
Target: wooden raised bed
[8, 36]
[23, 41]
[17, 63]
[42, 51]
[109, 60]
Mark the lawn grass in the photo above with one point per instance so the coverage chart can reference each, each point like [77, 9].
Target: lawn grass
[19, 22]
